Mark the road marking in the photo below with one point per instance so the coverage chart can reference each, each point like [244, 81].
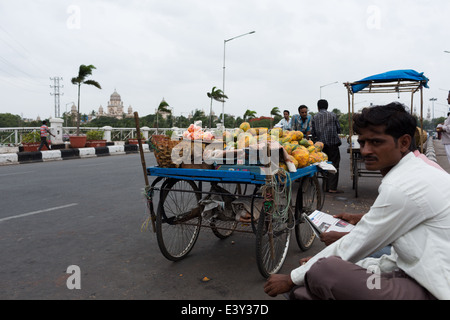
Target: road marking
[16, 173]
[37, 212]
[93, 164]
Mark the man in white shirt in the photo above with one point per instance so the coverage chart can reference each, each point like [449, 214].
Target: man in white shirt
[411, 212]
[284, 123]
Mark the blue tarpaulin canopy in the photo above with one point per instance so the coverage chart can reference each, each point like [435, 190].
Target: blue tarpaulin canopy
[391, 76]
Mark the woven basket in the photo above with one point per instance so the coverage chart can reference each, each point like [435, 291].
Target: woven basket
[163, 151]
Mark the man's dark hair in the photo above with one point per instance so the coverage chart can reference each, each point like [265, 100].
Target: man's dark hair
[394, 117]
[322, 104]
[44, 122]
[286, 111]
[302, 107]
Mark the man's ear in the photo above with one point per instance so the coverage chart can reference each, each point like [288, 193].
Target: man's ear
[404, 143]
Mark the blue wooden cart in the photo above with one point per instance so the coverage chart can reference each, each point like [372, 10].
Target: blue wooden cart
[178, 199]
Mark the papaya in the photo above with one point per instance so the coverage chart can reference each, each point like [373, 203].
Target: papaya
[302, 156]
[304, 143]
[244, 126]
[311, 149]
[252, 131]
[288, 147]
[319, 146]
[278, 132]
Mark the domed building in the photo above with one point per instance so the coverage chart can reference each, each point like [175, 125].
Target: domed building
[115, 108]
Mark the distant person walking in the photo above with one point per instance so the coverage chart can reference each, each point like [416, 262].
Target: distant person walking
[44, 133]
[444, 129]
[326, 128]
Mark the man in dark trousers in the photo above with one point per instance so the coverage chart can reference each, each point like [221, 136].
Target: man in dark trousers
[44, 131]
[411, 212]
[326, 128]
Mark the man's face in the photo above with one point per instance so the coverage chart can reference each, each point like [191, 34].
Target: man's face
[303, 113]
[286, 115]
[379, 150]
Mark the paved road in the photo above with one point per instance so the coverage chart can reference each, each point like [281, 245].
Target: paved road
[89, 212]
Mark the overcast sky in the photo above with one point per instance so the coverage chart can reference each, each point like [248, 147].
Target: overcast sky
[173, 49]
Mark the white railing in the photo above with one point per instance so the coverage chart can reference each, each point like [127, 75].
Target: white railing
[13, 136]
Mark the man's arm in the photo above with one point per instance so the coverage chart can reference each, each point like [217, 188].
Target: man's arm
[48, 130]
[391, 216]
[278, 284]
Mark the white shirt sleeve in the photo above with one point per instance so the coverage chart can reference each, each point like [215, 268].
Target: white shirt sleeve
[392, 215]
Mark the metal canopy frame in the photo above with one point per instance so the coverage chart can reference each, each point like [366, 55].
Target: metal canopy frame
[395, 86]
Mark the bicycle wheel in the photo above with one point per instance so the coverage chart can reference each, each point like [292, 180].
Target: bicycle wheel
[272, 241]
[224, 229]
[308, 200]
[178, 218]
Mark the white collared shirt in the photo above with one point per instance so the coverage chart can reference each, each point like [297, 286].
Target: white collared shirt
[411, 212]
[284, 124]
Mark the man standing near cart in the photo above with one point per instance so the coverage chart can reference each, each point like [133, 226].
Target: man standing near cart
[326, 128]
[302, 121]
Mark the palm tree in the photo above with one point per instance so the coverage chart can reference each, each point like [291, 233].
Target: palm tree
[83, 73]
[275, 112]
[217, 95]
[163, 107]
[249, 114]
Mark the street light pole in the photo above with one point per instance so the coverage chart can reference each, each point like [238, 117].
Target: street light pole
[432, 101]
[223, 75]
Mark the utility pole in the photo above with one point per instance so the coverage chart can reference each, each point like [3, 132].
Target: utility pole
[57, 94]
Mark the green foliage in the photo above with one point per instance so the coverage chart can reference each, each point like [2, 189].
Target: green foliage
[83, 73]
[31, 137]
[94, 135]
[8, 120]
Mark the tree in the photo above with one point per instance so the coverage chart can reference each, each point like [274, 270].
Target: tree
[163, 107]
[9, 120]
[83, 73]
[249, 114]
[276, 113]
[217, 95]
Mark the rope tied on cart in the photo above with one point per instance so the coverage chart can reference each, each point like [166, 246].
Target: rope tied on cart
[277, 195]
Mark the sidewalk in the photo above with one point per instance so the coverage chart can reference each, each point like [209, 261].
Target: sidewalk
[441, 156]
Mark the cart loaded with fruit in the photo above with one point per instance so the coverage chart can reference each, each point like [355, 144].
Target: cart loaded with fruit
[252, 181]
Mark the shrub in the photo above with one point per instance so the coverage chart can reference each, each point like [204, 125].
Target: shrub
[94, 135]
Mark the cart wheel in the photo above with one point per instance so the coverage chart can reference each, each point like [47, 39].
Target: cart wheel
[309, 198]
[272, 241]
[226, 228]
[178, 219]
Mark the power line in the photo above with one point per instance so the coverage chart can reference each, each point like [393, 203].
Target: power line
[21, 50]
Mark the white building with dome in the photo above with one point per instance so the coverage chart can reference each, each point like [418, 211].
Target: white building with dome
[115, 108]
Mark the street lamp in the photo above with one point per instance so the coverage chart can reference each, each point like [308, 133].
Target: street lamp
[432, 101]
[223, 84]
[326, 85]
